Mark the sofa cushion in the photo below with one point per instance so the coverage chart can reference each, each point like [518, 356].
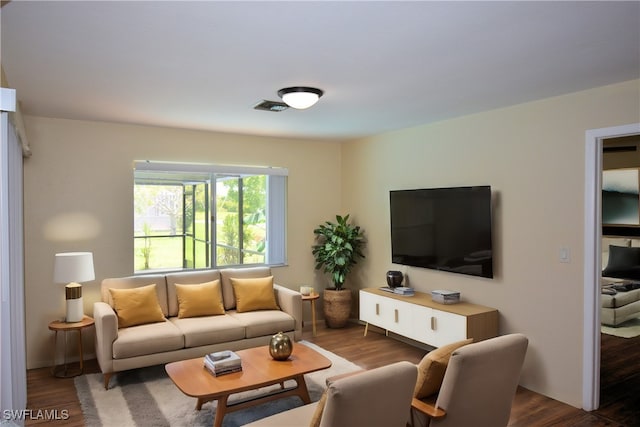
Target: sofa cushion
[620, 299]
[254, 294]
[432, 367]
[207, 330]
[624, 262]
[186, 278]
[147, 339]
[238, 273]
[264, 322]
[136, 306]
[204, 299]
[615, 241]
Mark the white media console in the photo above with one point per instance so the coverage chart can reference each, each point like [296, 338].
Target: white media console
[423, 320]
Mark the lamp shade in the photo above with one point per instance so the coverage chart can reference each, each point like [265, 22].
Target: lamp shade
[73, 267]
[300, 97]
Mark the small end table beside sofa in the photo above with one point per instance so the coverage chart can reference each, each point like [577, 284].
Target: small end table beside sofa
[64, 371]
[312, 297]
[174, 338]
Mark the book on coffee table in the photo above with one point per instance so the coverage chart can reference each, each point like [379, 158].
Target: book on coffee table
[223, 362]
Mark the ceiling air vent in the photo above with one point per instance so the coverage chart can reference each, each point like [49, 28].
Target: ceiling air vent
[274, 106]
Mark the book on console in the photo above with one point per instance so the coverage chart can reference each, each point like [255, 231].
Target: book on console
[445, 296]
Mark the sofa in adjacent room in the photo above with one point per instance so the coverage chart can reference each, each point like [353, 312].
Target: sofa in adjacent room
[620, 293]
[154, 319]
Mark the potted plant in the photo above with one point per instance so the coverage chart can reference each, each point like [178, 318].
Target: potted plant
[338, 247]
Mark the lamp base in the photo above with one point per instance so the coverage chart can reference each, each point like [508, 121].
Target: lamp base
[75, 307]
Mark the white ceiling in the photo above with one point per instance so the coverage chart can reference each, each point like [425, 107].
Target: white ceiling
[382, 65]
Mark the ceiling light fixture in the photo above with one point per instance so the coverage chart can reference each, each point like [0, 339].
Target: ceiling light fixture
[300, 97]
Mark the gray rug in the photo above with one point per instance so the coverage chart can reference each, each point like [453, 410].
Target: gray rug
[147, 397]
[628, 329]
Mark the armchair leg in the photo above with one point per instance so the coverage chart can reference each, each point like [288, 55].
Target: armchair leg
[107, 377]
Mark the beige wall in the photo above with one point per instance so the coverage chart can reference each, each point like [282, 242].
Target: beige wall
[533, 156]
[79, 197]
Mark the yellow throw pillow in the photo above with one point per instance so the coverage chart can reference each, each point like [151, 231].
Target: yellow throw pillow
[136, 306]
[254, 294]
[432, 367]
[204, 299]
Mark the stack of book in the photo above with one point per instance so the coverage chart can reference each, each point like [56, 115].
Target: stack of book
[403, 290]
[445, 297]
[223, 362]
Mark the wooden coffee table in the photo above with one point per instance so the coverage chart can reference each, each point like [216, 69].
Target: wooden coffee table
[258, 370]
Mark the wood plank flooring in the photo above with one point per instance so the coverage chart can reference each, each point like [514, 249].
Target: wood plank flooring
[620, 398]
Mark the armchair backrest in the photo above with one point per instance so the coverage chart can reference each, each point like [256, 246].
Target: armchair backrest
[378, 397]
[481, 381]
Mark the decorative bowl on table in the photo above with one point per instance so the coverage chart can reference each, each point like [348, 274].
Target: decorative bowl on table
[280, 346]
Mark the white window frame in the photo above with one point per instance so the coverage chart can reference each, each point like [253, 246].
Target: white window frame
[276, 253]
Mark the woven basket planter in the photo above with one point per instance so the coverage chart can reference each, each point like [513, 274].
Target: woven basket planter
[337, 307]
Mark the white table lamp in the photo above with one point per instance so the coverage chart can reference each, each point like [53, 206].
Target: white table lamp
[72, 268]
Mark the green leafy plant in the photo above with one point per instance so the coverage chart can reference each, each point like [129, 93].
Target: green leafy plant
[339, 246]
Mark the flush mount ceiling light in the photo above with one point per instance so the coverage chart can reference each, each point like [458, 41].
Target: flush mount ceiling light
[300, 97]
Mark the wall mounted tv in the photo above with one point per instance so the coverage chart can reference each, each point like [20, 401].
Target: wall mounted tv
[445, 229]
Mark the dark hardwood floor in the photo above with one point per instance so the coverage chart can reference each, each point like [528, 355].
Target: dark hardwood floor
[620, 380]
[620, 400]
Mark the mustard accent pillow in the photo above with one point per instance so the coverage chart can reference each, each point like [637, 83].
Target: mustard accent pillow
[432, 367]
[136, 306]
[254, 294]
[204, 299]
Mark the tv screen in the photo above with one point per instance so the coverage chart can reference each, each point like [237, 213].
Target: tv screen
[445, 229]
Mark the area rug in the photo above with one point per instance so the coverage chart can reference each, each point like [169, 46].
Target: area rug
[147, 397]
[629, 329]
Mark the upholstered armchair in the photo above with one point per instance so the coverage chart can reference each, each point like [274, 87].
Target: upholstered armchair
[378, 397]
[478, 387]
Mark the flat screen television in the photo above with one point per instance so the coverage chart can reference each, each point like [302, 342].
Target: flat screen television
[446, 229]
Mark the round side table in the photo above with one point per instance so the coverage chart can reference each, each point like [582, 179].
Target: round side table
[312, 297]
[63, 371]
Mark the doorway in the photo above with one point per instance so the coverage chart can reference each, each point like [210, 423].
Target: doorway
[592, 253]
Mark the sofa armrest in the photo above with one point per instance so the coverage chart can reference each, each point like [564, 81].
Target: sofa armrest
[106, 324]
[290, 302]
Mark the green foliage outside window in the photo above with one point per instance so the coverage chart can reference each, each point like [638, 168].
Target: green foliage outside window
[173, 228]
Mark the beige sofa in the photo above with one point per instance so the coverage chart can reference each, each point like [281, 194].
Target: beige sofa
[173, 338]
[619, 301]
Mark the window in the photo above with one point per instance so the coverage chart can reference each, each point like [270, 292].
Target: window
[190, 216]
